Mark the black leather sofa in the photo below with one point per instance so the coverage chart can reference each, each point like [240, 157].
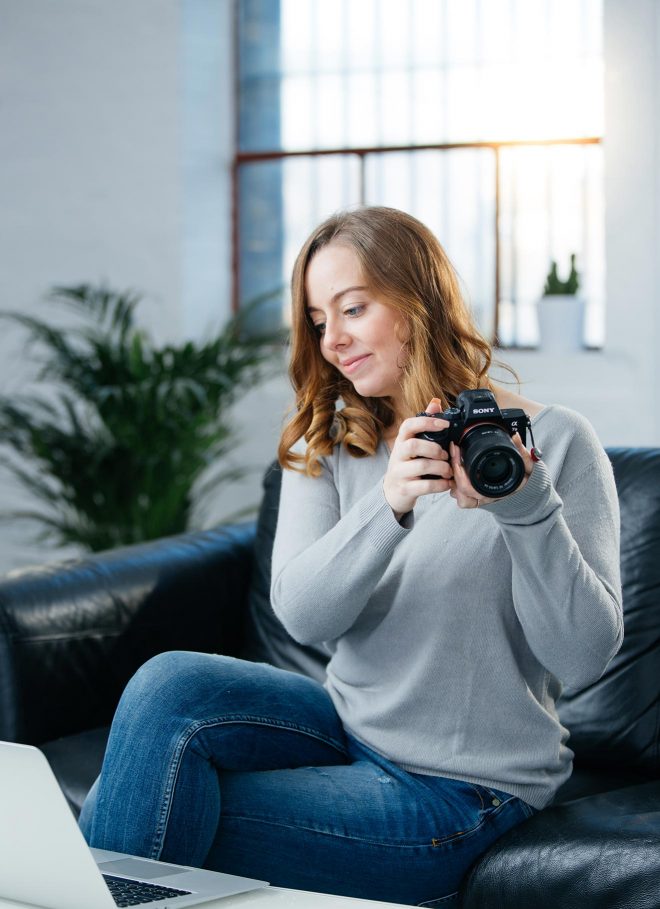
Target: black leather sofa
[72, 634]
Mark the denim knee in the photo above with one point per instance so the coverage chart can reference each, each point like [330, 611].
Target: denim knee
[167, 681]
[161, 671]
[169, 665]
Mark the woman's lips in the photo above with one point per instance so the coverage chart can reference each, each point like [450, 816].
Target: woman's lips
[352, 365]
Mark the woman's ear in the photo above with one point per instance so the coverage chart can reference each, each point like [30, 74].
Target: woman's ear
[402, 330]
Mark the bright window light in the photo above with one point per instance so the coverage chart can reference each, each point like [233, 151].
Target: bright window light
[386, 76]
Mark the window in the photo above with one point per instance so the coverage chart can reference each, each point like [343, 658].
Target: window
[481, 117]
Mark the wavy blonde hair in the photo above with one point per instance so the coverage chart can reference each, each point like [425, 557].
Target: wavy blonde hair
[406, 267]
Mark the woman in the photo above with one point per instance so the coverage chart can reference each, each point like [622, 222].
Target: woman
[451, 619]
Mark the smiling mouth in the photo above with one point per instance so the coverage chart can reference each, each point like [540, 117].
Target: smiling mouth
[355, 364]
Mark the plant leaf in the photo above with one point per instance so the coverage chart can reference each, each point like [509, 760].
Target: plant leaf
[131, 440]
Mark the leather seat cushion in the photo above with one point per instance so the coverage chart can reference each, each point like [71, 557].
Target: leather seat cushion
[76, 762]
[599, 852]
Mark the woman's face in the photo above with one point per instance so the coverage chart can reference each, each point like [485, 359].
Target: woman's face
[359, 334]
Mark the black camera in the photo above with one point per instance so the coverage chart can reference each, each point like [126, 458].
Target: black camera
[483, 433]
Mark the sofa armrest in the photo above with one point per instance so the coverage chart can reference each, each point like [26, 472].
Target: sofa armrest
[594, 852]
[73, 633]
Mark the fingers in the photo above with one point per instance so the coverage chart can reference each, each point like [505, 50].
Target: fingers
[402, 491]
[412, 457]
[461, 488]
[459, 471]
[414, 425]
[425, 467]
[455, 457]
[421, 448]
[415, 459]
[525, 455]
[416, 467]
[427, 486]
[467, 502]
[517, 441]
[434, 406]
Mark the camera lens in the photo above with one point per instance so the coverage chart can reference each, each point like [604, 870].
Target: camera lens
[495, 467]
[492, 461]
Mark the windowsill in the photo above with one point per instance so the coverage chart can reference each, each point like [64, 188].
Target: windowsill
[540, 350]
[571, 377]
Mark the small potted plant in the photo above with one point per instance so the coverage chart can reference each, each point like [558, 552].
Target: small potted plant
[561, 312]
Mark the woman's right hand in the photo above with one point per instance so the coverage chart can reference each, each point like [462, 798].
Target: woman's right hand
[413, 458]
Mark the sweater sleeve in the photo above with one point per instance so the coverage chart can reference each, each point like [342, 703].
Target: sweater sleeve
[326, 565]
[565, 567]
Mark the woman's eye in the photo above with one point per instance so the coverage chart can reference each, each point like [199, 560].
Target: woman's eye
[319, 327]
[354, 310]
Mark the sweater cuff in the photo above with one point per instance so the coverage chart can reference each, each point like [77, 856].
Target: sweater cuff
[533, 503]
[377, 517]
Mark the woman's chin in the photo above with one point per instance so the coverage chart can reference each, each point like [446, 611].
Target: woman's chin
[372, 389]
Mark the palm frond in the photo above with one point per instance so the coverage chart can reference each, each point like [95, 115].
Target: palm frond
[133, 438]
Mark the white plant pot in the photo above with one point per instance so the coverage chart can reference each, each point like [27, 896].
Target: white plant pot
[561, 323]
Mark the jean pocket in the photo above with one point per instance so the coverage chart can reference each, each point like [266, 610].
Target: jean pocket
[495, 798]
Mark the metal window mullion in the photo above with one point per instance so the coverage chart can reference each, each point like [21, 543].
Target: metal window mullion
[378, 78]
[362, 177]
[513, 248]
[314, 71]
[498, 242]
[411, 102]
[549, 204]
[586, 223]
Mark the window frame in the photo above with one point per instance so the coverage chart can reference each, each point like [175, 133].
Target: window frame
[245, 158]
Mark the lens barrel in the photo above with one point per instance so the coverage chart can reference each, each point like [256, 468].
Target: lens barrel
[492, 461]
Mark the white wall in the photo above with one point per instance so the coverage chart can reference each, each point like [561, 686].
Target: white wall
[632, 46]
[207, 143]
[89, 149]
[116, 133]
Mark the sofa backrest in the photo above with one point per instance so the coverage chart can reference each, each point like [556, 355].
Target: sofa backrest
[266, 639]
[614, 722]
[73, 633]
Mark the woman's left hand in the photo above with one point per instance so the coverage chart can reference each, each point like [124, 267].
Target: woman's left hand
[463, 491]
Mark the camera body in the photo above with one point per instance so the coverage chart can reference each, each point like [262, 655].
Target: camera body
[483, 432]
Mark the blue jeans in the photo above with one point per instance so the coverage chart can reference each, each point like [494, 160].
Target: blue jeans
[239, 767]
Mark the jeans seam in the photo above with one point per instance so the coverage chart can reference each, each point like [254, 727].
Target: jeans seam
[481, 798]
[430, 843]
[185, 739]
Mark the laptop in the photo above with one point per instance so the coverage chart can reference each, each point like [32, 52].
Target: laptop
[45, 861]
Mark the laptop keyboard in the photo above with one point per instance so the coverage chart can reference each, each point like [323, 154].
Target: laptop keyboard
[134, 893]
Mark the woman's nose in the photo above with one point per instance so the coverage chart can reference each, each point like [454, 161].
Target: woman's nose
[335, 335]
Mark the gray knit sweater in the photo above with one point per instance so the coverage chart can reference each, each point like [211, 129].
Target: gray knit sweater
[450, 637]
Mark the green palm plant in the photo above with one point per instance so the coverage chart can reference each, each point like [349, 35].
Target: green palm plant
[115, 443]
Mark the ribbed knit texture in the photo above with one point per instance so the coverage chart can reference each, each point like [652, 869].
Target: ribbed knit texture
[451, 636]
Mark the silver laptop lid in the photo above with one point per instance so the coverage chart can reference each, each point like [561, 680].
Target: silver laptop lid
[44, 858]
